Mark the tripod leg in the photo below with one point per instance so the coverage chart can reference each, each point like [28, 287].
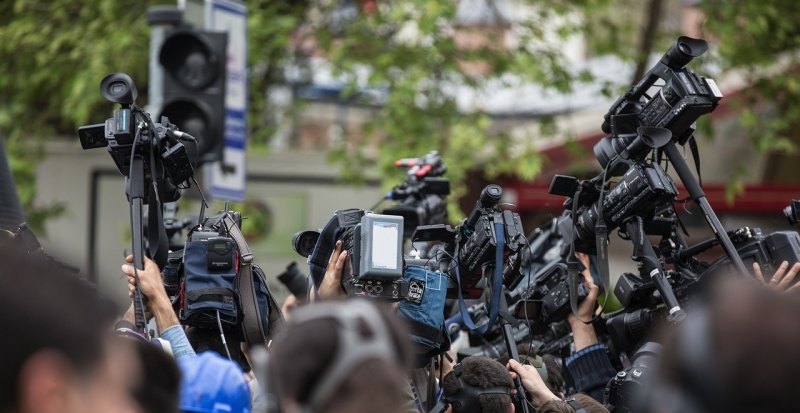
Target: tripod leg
[696, 193]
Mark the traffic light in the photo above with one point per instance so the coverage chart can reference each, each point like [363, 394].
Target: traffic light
[194, 88]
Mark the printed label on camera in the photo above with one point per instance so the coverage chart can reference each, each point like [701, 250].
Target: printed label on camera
[416, 289]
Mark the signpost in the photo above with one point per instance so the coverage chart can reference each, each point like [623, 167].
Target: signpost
[227, 179]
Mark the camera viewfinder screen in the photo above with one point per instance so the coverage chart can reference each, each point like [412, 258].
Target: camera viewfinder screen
[384, 245]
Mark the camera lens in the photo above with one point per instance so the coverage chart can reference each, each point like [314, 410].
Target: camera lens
[303, 242]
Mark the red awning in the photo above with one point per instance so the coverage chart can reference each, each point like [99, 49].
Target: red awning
[756, 198]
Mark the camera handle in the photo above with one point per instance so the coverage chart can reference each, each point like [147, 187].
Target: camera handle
[643, 252]
[699, 197]
[136, 196]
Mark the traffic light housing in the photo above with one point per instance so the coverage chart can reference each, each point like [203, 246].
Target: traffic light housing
[194, 63]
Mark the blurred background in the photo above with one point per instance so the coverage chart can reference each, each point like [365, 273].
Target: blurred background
[323, 96]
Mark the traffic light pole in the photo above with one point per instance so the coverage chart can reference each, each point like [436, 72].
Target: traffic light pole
[160, 18]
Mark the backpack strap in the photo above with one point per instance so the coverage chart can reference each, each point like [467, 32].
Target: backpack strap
[252, 328]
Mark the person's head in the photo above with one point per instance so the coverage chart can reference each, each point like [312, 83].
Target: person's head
[157, 387]
[334, 357]
[55, 356]
[737, 355]
[480, 373]
[569, 405]
[212, 384]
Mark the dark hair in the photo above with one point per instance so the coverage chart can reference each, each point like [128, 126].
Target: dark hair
[746, 357]
[158, 388]
[42, 307]
[559, 406]
[482, 372]
[302, 352]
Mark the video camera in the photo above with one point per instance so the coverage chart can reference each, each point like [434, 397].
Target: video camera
[683, 96]
[626, 391]
[473, 245]
[154, 161]
[130, 133]
[642, 188]
[421, 198]
[374, 243]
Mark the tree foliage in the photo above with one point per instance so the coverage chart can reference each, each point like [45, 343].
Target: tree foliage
[56, 51]
[761, 39]
[410, 48]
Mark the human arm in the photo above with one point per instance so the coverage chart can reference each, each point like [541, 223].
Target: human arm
[583, 334]
[159, 304]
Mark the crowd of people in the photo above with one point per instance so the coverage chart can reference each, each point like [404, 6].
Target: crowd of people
[68, 349]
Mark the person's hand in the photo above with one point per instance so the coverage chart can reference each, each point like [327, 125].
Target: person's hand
[583, 334]
[150, 280]
[532, 382]
[781, 280]
[153, 288]
[331, 285]
[291, 302]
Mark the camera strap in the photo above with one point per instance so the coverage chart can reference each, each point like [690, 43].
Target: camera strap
[253, 329]
[497, 284]
[157, 242]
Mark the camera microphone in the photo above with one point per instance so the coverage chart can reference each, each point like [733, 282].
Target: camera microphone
[181, 135]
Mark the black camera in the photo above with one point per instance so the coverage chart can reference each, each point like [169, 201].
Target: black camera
[626, 330]
[374, 243]
[473, 245]
[548, 299]
[421, 198]
[769, 251]
[130, 131]
[683, 97]
[792, 212]
[626, 392]
[643, 187]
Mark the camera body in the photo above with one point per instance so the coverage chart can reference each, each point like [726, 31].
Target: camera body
[626, 392]
[421, 197]
[642, 188]
[683, 97]
[421, 201]
[547, 301]
[375, 257]
[130, 131]
[769, 251]
[473, 244]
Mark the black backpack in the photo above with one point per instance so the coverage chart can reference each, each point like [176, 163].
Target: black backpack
[234, 295]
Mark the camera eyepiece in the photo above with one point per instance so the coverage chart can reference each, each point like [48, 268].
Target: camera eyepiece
[303, 242]
[119, 88]
[491, 195]
[683, 51]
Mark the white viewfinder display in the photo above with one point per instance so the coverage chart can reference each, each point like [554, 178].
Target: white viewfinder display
[384, 245]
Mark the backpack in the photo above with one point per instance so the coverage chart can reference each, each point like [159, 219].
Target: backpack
[237, 295]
